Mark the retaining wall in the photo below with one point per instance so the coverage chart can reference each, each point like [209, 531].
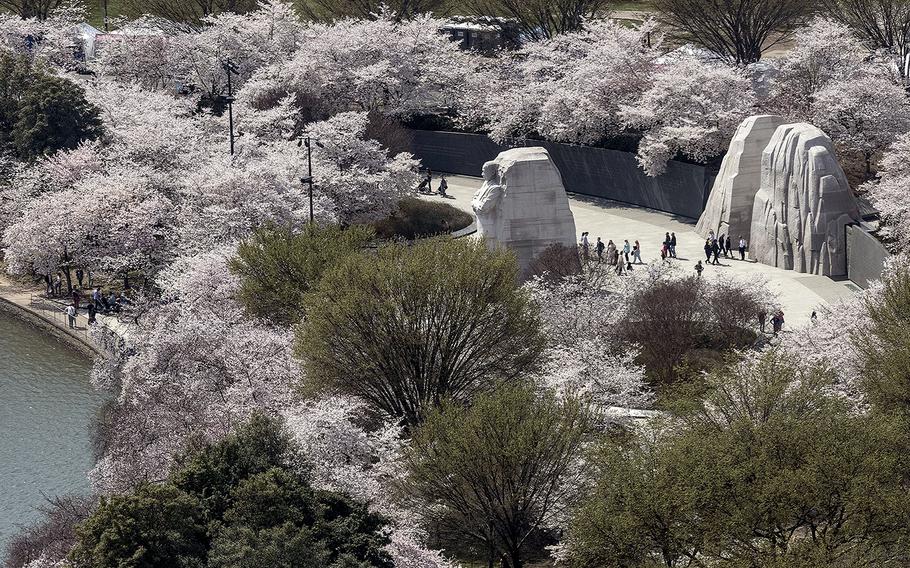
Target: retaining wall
[683, 190]
[866, 256]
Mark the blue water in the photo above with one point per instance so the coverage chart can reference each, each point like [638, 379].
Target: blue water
[46, 410]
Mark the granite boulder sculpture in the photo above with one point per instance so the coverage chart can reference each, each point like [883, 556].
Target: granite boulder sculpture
[729, 207]
[523, 204]
[803, 204]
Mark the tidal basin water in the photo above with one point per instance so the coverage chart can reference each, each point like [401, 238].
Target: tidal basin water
[46, 410]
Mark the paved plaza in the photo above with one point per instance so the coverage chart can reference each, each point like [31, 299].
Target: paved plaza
[799, 294]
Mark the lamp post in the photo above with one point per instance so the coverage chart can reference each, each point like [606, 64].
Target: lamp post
[231, 69]
[308, 179]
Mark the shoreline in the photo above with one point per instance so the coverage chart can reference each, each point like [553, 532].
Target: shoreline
[17, 302]
[34, 318]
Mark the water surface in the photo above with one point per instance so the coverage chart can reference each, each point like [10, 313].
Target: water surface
[46, 409]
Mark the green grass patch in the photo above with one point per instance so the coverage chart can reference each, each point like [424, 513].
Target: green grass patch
[418, 218]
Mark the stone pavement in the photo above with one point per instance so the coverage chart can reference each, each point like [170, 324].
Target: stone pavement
[799, 294]
[49, 312]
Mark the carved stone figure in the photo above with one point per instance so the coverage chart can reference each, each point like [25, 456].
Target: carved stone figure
[486, 202]
[523, 204]
[803, 204]
[729, 207]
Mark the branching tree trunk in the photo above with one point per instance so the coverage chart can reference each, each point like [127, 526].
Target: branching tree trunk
[880, 23]
[539, 19]
[738, 30]
[31, 8]
[187, 11]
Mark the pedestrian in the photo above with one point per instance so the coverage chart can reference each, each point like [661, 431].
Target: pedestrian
[429, 181]
[813, 318]
[76, 297]
[585, 246]
[71, 316]
[58, 284]
[721, 245]
[91, 279]
[91, 312]
[777, 322]
[667, 242]
[673, 245]
[636, 253]
[443, 186]
[48, 285]
[620, 265]
[663, 252]
[742, 248]
[626, 250]
[715, 250]
[79, 276]
[699, 268]
[611, 251]
[729, 246]
[708, 250]
[96, 297]
[711, 236]
[762, 317]
[599, 247]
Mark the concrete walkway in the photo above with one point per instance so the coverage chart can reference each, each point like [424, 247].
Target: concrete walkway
[31, 303]
[798, 294]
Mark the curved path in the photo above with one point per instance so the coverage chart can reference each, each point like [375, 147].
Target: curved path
[798, 294]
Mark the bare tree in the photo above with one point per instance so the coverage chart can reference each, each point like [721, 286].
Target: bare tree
[538, 19]
[880, 23]
[187, 11]
[31, 8]
[403, 9]
[737, 30]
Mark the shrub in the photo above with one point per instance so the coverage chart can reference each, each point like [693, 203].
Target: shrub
[672, 319]
[409, 327]
[556, 262]
[769, 470]
[277, 267]
[496, 473]
[40, 113]
[243, 502]
[421, 218]
[885, 345]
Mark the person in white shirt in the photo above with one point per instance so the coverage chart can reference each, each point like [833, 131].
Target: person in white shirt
[71, 316]
[742, 248]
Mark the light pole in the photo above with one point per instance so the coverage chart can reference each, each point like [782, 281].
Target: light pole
[308, 142]
[231, 69]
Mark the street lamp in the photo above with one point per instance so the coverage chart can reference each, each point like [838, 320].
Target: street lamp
[231, 69]
[308, 179]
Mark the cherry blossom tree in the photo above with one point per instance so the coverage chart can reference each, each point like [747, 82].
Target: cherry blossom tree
[692, 108]
[889, 194]
[862, 115]
[824, 52]
[398, 67]
[567, 88]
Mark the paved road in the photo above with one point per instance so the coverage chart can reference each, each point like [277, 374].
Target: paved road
[799, 294]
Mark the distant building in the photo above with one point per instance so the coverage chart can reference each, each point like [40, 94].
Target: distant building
[481, 34]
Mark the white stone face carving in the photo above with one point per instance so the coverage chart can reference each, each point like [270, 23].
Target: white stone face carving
[803, 204]
[729, 207]
[523, 205]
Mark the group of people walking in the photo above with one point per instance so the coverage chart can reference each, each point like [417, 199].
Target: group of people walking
[621, 257]
[722, 245]
[625, 256]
